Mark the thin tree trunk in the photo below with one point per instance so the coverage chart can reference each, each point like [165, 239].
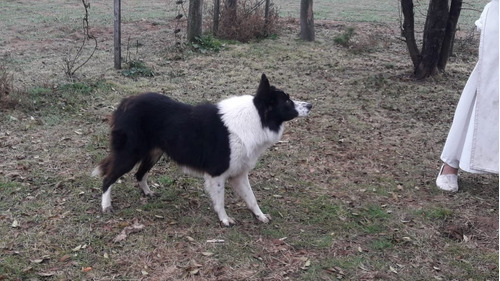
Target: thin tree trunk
[216, 17]
[306, 20]
[266, 11]
[409, 31]
[117, 35]
[451, 28]
[231, 6]
[194, 20]
[434, 31]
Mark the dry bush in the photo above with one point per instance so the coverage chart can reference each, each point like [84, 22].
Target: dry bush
[248, 21]
[467, 42]
[72, 63]
[362, 39]
[6, 83]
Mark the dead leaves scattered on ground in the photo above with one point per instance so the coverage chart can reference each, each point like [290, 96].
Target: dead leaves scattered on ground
[134, 228]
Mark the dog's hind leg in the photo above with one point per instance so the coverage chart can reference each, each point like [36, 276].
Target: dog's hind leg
[106, 200]
[119, 166]
[142, 173]
[215, 188]
[241, 186]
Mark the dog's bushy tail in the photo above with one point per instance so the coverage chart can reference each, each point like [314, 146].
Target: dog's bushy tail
[118, 142]
[103, 167]
[126, 142]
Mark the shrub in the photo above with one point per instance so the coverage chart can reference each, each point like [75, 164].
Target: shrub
[344, 38]
[77, 88]
[207, 43]
[248, 21]
[138, 69]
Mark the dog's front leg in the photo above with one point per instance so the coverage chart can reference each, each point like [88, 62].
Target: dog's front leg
[241, 186]
[215, 188]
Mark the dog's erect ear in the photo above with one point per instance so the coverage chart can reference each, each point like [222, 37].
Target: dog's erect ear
[263, 79]
[264, 85]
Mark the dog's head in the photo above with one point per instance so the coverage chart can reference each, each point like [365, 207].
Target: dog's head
[275, 106]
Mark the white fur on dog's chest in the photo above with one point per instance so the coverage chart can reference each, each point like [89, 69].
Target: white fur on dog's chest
[248, 139]
[243, 159]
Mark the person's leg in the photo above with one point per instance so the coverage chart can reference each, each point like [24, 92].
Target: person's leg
[449, 170]
[447, 178]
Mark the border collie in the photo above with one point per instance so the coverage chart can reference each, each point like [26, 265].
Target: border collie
[217, 142]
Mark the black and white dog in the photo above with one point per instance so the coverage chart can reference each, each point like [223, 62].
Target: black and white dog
[218, 142]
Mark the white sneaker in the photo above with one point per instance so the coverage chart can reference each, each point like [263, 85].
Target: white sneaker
[447, 182]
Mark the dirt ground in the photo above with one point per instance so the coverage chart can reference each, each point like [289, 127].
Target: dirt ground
[350, 188]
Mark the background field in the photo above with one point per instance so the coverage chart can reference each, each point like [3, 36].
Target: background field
[350, 188]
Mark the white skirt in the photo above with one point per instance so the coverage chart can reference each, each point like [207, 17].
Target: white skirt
[472, 143]
[457, 149]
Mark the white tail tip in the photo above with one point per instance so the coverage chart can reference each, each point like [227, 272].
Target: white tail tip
[96, 172]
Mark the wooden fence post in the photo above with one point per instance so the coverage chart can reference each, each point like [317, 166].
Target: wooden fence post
[117, 35]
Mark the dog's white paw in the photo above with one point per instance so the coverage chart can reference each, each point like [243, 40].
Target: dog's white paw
[228, 222]
[151, 194]
[265, 218]
[108, 210]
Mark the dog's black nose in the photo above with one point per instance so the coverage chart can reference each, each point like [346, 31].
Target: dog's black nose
[309, 106]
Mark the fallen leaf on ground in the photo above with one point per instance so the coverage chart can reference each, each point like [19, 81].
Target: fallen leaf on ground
[46, 274]
[306, 265]
[65, 258]
[40, 260]
[278, 242]
[15, 224]
[136, 227]
[215, 241]
[193, 263]
[393, 270]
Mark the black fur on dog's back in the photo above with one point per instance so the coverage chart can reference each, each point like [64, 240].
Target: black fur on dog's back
[145, 125]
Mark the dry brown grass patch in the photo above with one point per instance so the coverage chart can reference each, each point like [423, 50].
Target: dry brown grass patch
[6, 82]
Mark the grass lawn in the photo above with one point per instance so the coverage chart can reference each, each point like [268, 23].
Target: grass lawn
[350, 188]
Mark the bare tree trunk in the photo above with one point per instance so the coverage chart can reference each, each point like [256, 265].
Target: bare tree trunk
[229, 15]
[266, 11]
[435, 27]
[449, 37]
[194, 20]
[117, 35]
[306, 20]
[409, 31]
[232, 7]
[216, 17]
[439, 34]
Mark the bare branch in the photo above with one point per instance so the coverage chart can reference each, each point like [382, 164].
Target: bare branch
[70, 64]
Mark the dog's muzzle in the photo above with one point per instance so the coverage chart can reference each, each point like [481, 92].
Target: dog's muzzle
[302, 107]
